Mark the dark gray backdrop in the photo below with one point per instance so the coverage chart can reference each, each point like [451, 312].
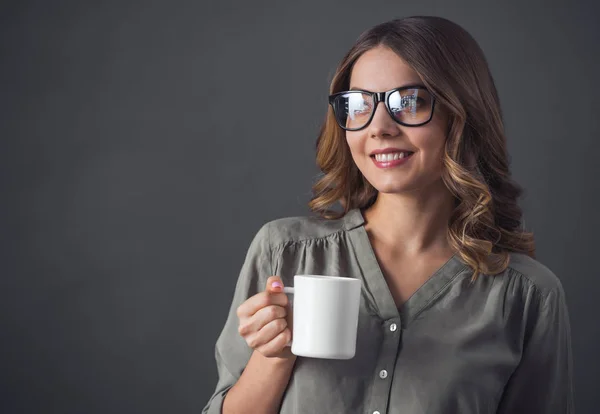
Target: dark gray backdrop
[134, 177]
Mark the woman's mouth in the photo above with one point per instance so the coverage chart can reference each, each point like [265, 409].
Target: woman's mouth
[391, 159]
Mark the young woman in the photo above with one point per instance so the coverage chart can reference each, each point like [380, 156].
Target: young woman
[456, 315]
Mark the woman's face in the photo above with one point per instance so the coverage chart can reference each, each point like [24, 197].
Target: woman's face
[379, 70]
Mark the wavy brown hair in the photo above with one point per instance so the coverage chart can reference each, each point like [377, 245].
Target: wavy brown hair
[486, 222]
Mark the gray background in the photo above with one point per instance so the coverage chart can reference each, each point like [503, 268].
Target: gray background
[133, 179]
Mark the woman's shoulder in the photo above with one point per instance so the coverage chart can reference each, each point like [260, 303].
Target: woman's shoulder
[304, 228]
[535, 273]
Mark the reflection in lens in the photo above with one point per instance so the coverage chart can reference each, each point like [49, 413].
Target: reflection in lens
[355, 105]
[354, 109]
[411, 106]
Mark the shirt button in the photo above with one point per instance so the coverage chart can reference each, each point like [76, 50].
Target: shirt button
[393, 327]
[376, 412]
[383, 374]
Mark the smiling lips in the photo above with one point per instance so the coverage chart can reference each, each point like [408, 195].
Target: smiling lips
[390, 157]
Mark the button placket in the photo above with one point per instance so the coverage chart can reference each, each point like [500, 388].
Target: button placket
[387, 357]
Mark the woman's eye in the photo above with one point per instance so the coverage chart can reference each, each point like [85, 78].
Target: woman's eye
[359, 109]
[409, 102]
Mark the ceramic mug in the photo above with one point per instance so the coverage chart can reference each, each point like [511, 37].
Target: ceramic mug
[325, 316]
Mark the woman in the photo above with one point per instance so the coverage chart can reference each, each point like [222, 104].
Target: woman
[456, 315]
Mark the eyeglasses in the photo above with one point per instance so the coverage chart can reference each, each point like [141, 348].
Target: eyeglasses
[409, 106]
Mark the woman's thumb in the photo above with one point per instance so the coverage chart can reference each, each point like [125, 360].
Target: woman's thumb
[274, 284]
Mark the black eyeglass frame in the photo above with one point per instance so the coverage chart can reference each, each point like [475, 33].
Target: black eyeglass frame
[382, 97]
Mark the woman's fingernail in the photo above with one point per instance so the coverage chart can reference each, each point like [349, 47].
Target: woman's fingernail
[276, 285]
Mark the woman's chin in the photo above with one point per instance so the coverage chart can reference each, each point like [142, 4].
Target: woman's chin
[408, 186]
[394, 188]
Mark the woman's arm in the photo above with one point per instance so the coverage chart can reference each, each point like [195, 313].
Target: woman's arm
[260, 387]
[542, 383]
[247, 380]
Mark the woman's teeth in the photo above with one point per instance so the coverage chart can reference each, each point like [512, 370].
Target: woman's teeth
[390, 156]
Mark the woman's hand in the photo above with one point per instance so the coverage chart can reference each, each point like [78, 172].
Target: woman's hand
[263, 321]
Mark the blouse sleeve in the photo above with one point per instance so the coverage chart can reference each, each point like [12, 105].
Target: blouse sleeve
[231, 351]
[542, 382]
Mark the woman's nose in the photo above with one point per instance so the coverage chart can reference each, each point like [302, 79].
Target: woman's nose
[382, 123]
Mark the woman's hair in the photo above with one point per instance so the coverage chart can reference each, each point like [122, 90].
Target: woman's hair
[486, 222]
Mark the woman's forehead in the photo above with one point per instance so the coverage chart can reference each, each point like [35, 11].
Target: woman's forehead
[381, 69]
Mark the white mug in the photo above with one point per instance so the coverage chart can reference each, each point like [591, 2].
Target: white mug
[325, 316]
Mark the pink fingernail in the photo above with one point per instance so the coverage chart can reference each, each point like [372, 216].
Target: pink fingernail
[276, 285]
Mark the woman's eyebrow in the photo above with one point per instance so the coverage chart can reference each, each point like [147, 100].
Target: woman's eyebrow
[410, 84]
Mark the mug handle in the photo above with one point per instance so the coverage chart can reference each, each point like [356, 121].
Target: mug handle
[289, 290]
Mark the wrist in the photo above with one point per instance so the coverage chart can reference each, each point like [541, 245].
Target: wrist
[284, 361]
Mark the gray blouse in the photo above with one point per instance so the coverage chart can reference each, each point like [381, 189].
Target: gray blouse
[498, 345]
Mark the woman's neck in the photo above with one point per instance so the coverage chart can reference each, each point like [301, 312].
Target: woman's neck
[414, 222]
